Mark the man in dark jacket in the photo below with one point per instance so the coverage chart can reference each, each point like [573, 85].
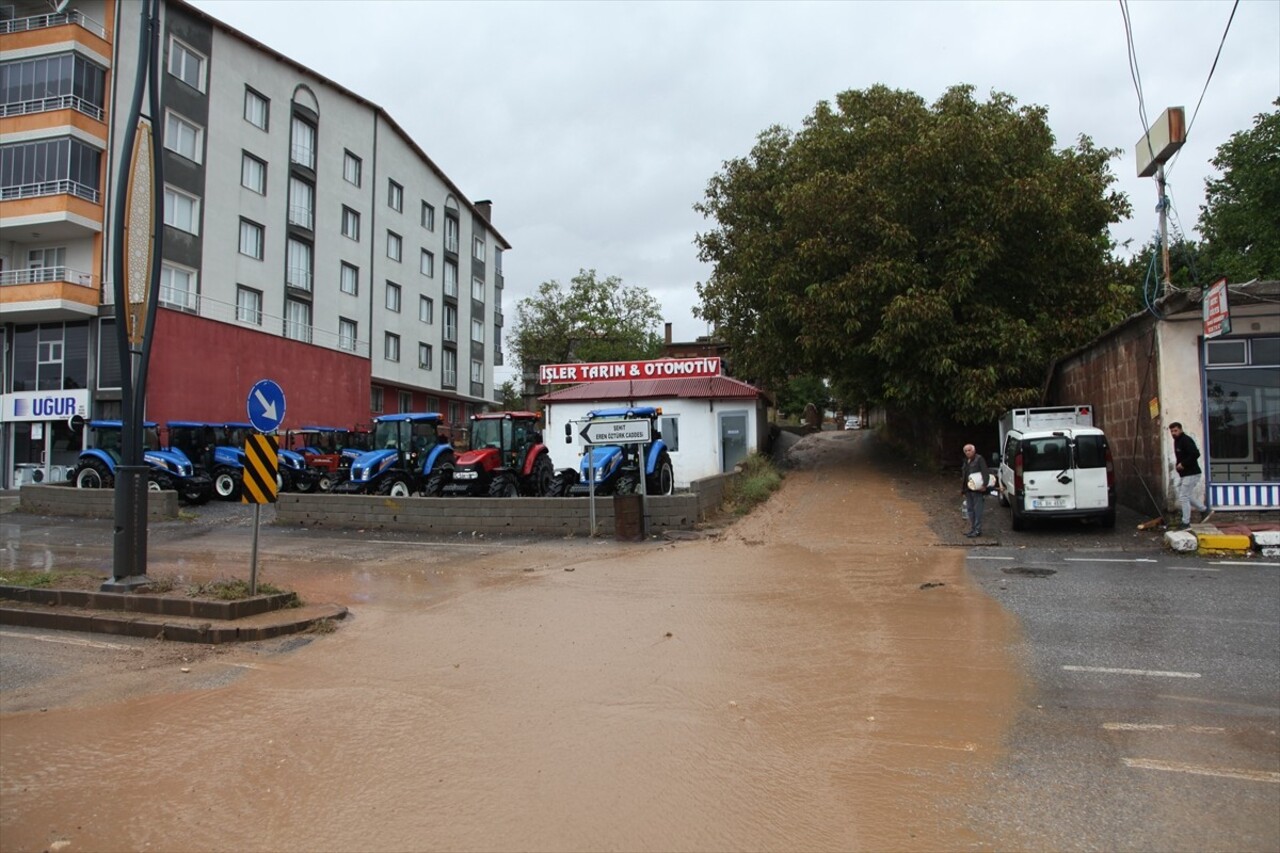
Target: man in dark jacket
[1187, 463]
[974, 489]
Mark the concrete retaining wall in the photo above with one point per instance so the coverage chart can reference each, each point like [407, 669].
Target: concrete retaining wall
[89, 503]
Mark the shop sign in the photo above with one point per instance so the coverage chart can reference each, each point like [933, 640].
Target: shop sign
[662, 368]
[44, 405]
[1217, 314]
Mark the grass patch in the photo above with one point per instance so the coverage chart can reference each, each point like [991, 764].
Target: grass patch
[758, 479]
[232, 589]
[48, 580]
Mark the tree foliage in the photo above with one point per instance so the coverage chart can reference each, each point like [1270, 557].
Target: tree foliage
[1143, 274]
[1240, 221]
[932, 257]
[508, 397]
[799, 391]
[593, 320]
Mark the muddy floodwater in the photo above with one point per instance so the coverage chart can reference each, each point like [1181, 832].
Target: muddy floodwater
[817, 676]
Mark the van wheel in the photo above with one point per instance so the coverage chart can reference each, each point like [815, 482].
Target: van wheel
[1108, 519]
[1019, 520]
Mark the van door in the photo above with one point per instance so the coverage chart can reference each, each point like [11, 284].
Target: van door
[1091, 480]
[1048, 480]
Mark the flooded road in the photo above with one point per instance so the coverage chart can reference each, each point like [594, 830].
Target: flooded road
[818, 676]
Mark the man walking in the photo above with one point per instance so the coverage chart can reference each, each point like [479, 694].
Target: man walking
[974, 489]
[1187, 463]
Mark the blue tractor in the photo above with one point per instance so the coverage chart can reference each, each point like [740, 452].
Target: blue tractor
[209, 445]
[292, 471]
[617, 468]
[170, 469]
[409, 457]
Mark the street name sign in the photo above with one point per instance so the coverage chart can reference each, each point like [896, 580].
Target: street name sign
[636, 431]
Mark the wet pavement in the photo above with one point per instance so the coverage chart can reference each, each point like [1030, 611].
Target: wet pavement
[824, 674]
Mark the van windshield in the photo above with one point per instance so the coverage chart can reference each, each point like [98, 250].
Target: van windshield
[1091, 451]
[1044, 454]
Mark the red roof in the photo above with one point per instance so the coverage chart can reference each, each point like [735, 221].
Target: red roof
[709, 388]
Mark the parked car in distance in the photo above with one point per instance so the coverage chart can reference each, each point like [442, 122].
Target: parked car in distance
[853, 422]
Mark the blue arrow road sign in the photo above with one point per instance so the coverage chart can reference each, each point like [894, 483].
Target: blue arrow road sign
[266, 405]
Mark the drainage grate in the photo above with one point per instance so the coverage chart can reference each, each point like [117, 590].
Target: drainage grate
[1023, 571]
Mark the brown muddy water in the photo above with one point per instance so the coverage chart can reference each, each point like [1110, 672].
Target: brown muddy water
[784, 685]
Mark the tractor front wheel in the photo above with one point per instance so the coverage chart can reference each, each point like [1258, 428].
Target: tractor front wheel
[226, 485]
[323, 483]
[396, 486]
[159, 482]
[628, 484]
[663, 479]
[93, 475]
[436, 480]
[503, 486]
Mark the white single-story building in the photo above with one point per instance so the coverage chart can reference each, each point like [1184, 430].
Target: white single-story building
[708, 424]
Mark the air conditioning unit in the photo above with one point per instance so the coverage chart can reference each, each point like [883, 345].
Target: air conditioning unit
[27, 472]
[58, 474]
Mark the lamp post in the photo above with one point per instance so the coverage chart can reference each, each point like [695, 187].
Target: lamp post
[135, 246]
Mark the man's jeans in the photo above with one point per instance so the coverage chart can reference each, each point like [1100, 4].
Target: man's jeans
[973, 503]
[1189, 496]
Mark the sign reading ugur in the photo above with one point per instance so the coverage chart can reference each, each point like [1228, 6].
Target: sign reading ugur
[663, 368]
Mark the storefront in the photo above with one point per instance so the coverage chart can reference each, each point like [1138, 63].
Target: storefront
[1242, 421]
[41, 434]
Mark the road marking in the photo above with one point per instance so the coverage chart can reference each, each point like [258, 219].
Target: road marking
[1222, 772]
[1199, 700]
[1242, 563]
[1108, 560]
[70, 641]
[1184, 569]
[991, 558]
[1162, 727]
[1115, 671]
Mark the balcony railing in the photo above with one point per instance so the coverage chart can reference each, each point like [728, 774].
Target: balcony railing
[48, 188]
[301, 216]
[55, 102]
[449, 378]
[43, 274]
[54, 19]
[298, 277]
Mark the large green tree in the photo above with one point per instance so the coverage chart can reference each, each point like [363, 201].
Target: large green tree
[1240, 221]
[594, 319]
[931, 257]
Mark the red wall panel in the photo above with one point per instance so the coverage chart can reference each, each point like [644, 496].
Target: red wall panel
[202, 370]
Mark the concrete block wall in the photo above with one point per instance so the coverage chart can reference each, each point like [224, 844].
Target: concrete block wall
[89, 503]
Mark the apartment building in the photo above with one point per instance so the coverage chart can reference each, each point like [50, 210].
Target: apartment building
[306, 238]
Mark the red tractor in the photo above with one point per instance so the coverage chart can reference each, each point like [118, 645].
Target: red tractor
[507, 458]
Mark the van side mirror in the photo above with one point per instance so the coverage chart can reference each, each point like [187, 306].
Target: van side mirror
[568, 433]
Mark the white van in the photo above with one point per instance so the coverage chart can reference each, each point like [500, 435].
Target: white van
[1054, 463]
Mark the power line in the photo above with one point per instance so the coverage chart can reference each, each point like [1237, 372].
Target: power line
[1212, 68]
[1134, 73]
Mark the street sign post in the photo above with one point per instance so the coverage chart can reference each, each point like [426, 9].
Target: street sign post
[634, 431]
[266, 405]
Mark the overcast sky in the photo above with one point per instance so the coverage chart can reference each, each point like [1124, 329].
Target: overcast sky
[595, 126]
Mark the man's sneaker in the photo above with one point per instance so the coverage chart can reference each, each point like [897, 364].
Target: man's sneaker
[1178, 525]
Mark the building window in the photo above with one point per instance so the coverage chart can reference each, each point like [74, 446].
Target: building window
[450, 323]
[450, 234]
[375, 400]
[349, 280]
[428, 217]
[248, 305]
[350, 223]
[181, 211]
[424, 356]
[393, 297]
[302, 143]
[391, 347]
[477, 371]
[395, 195]
[426, 309]
[52, 83]
[347, 334]
[477, 248]
[297, 320]
[256, 108]
[251, 239]
[1242, 406]
[178, 287]
[302, 203]
[182, 137]
[669, 426]
[427, 264]
[298, 264]
[477, 330]
[477, 288]
[451, 279]
[48, 167]
[406, 401]
[186, 64]
[497, 260]
[393, 245]
[449, 371]
[253, 173]
[351, 166]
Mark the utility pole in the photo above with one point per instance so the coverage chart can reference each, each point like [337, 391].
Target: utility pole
[1152, 151]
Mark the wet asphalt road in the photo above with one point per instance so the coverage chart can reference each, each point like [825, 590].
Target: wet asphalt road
[1155, 709]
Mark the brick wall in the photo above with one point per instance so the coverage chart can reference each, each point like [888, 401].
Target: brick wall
[89, 503]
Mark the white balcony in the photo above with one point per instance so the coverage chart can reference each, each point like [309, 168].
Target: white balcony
[53, 19]
[43, 274]
[56, 102]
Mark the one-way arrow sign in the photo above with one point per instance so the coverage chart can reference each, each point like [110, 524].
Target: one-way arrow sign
[266, 405]
[617, 432]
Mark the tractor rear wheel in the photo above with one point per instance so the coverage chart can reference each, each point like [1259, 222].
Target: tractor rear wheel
[93, 474]
[196, 495]
[542, 478]
[663, 479]
[503, 486]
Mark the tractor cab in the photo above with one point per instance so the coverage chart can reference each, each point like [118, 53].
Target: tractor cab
[409, 456]
[506, 457]
[169, 469]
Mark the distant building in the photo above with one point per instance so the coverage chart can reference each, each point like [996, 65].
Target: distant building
[306, 238]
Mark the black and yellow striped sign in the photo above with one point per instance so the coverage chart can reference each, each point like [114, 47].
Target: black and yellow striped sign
[261, 464]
